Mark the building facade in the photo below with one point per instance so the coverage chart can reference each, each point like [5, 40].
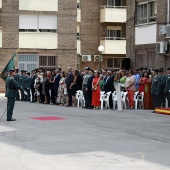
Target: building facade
[102, 22]
[147, 33]
[41, 32]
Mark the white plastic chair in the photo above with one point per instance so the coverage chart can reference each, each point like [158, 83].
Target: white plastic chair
[105, 98]
[78, 97]
[114, 98]
[138, 99]
[82, 100]
[124, 96]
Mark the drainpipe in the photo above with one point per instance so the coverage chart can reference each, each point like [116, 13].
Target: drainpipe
[168, 12]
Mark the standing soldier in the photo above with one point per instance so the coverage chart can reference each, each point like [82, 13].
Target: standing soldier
[24, 85]
[156, 88]
[162, 94]
[167, 87]
[27, 86]
[17, 79]
[11, 92]
[85, 93]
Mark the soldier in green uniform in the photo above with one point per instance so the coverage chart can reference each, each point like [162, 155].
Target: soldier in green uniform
[162, 98]
[27, 86]
[85, 80]
[22, 83]
[167, 86]
[17, 78]
[156, 88]
[11, 92]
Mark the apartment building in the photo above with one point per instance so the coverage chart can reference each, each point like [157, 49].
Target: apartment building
[148, 33]
[41, 32]
[101, 22]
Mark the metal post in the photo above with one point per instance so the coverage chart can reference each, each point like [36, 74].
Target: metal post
[100, 60]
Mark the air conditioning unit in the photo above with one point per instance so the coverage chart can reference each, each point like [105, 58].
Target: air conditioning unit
[168, 31]
[97, 58]
[162, 29]
[86, 57]
[161, 47]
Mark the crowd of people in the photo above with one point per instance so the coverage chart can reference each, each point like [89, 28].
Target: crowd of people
[59, 87]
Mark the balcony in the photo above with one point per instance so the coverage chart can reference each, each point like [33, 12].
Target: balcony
[78, 15]
[113, 14]
[113, 45]
[78, 47]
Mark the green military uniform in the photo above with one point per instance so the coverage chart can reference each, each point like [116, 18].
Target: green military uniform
[156, 90]
[162, 99]
[167, 88]
[11, 92]
[27, 87]
[17, 79]
[85, 93]
[22, 84]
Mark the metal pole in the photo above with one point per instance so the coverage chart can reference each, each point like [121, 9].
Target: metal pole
[100, 60]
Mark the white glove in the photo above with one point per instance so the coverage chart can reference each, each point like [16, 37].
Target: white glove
[25, 93]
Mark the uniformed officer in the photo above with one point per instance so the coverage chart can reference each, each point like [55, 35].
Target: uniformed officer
[167, 86]
[27, 86]
[85, 92]
[23, 84]
[17, 78]
[156, 88]
[11, 92]
[162, 98]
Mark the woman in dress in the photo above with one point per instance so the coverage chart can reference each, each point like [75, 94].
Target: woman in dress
[130, 87]
[142, 81]
[74, 86]
[61, 98]
[52, 87]
[122, 79]
[96, 90]
[102, 82]
[46, 88]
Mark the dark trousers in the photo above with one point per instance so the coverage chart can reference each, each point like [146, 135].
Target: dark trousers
[32, 93]
[90, 98]
[10, 106]
[69, 91]
[168, 98]
[22, 96]
[47, 94]
[56, 94]
[17, 98]
[28, 95]
[86, 97]
[162, 100]
[156, 98]
[53, 95]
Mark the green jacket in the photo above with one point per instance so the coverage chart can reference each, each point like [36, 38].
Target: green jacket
[163, 82]
[12, 86]
[167, 84]
[156, 85]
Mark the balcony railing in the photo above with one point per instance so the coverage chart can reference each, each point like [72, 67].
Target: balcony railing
[109, 6]
[113, 38]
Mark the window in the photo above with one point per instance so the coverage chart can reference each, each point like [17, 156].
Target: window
[114, 63]
[78, 5]
[114, 2]
[78, 36]
[146, 12]
[113, 33]
[38, 23]
[48, 62]
[27, 62]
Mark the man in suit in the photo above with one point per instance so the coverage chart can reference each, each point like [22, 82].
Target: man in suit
[109, 87]
[156, 88]
[162, 99]
[89, 89]
[56, 82]
[11, 92]
[167, 86]
[68, 81]
[33, 77]
[17, 79]
[22, 83]
[137, 78]
[85, 92]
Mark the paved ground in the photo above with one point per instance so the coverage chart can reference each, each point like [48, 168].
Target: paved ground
[84, 140]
